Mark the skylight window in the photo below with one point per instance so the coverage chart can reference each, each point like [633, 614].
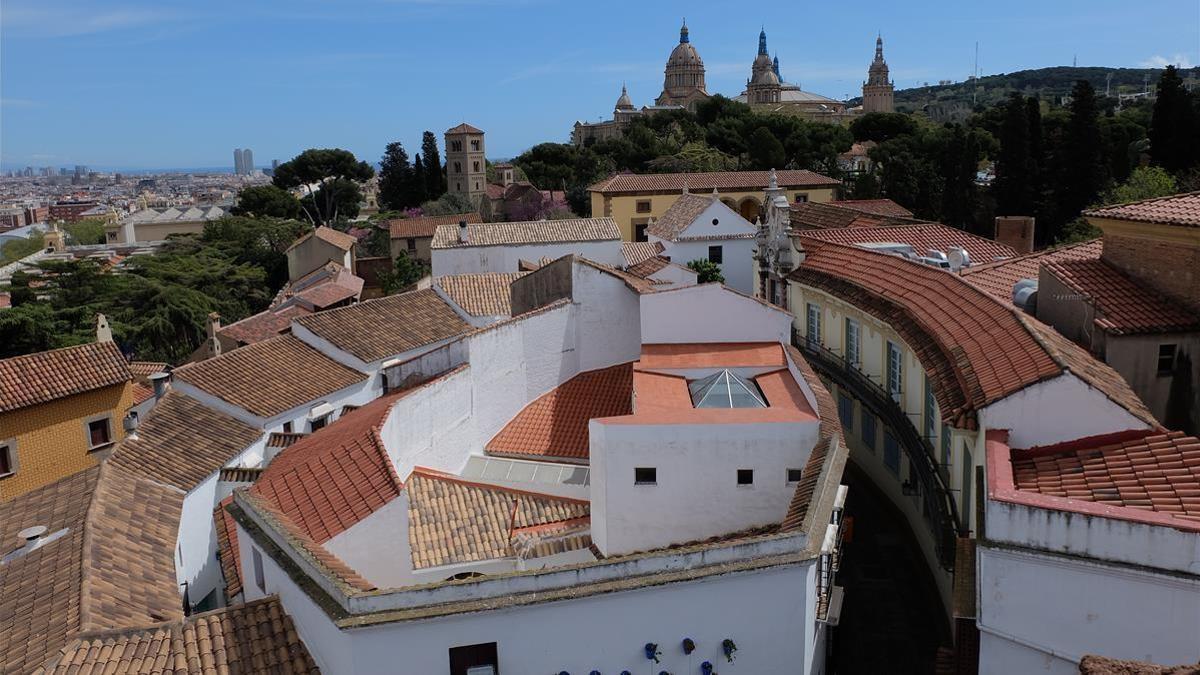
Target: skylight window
[726, 389]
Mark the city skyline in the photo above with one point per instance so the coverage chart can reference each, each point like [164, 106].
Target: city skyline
[374, 61]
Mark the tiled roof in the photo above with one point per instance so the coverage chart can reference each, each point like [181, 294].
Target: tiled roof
[1124, 307]
[182, 442]
[705, 182]
[879, 207]
[283, 439]
[648, 267]
[679, 216]
[264, 325]
[998, 278]
[485, 294]
[528, 232]
[336, 476]
[829, 435]
[464, 128]
[257, 637]
[921, 237]
[1181, 209]
[635, 252]
[425, 226]
[227, 548]
[555, 425]
[1092, 664]
[141, 393]
[827, 216]
[457, 521]
[270, 377]
[1143, 470]
[328, 235]
[145, 369]
[48, 376]
[378, 329]
[710, 355]
[112, 569]
[975, 349]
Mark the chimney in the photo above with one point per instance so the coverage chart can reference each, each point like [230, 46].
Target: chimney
[214, 327]
[103, 330]
[160, 381]
[463, 236]
[1015, 232]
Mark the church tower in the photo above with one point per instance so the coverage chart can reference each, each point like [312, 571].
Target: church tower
[764, 85]
[878, 89]
[466, 169]
[683, 83]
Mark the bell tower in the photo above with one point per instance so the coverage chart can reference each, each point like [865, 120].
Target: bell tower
[466, 168]
[878, 90]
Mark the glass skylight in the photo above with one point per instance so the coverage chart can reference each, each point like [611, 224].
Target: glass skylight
[726, 389]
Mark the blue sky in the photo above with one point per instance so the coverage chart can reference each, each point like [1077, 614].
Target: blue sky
[180, 83]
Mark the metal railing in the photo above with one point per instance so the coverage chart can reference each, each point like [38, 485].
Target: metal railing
[934, 487]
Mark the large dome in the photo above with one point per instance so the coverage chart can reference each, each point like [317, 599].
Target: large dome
[684, 54]
[765, 77]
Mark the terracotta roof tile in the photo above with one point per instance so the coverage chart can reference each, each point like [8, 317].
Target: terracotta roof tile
[555, 425]
[328, 235]
[828, 215]
[648, 267]
[113, 568]
[705, 182]
[529, 232]
[830, 435]
[182, 442]
[679, 216]
[1181, 209]
[457, 521]
[144, 369]
[336, 476]
[1091, 664]
[464, 128]
[270, 377]
[879, 207]
[921, 237]
[257, 637]
[485, 294]
[283, 439]
[383, 328]
[1124, 306]
[998, 278]
[227, 548]
[635, 252]
[1142, 470]
[48, 376]
[264, 325]
[425, 226]
[710, 355]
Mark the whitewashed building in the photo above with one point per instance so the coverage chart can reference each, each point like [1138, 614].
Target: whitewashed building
[702, 227]
[475, 248]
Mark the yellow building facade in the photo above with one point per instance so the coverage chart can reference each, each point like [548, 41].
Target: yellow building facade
[45, 436]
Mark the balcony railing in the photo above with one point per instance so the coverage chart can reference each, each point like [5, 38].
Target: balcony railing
[931, 479]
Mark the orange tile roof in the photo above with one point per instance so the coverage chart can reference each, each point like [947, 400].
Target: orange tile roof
[383, 328]
[1181, 209]
[661, 398]
[921, 237]
[182, 442]
[1134, 471]
[648, 267]
[1124, 306]
[705, 182]
[998, 278]
[879, 207]
[48, 376]
[425, 226]
[828, 215]
[635, 252]
[328, 235]
[529, 232]
[264, 325]
[144, 369]
[555, 425]
[464, 128]
[453, 521]
[257, 637]
[486, 294]
[270, 377]
[228, 552]
[671, 224]
[334, 477]
[710, 355]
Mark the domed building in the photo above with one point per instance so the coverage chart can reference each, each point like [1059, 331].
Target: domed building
[767, 91]
[683, 84]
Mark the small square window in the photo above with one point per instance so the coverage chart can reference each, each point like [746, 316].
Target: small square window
[716, 254]
[411, 245]
[745, 476]
[319, 423]
[643, 206]
[260, 578]
[99, 433]
[794, 475]
[1166, 359]
[287, 427]
[801, 197]
[645, 475]
[8, 460]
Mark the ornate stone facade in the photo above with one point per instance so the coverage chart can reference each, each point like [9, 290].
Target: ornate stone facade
[878, 89]
[683, 84]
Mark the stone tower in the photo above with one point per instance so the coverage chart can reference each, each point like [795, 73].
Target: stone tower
[466, 169]
[764, 85]
[684, 80]
[878, 89]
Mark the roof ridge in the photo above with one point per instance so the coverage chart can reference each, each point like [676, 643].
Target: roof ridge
[1049, 250]
[434, 474]
[1149, 200]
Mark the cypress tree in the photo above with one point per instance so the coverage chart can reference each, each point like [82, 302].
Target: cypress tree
[395, 176]
[418, 189]
[1014, 184]
[1173, 125]
[1086, 171]
[1037, 158]
[435, 177]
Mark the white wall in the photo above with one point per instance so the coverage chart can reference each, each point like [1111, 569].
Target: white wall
[358, 394]
[477, 259]
[1056, 410]
[697, 495]
[377, 546]
[433, 426]
[737, 264]
[1068, 607]
[710, 313]
[608, 318]
[675, 275]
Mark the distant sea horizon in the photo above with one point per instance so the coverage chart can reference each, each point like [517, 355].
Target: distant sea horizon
[133, 171]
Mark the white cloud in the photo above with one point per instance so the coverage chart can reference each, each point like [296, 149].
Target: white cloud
[68, 19]
[1159, 61]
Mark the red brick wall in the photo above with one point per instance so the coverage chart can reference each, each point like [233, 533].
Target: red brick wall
[1172, 268]
[1015, 231]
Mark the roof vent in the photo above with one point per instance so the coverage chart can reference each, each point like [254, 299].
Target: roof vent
[1024, 295]
[463, 237]
[30, 535]
[32, 538]
[959, 258]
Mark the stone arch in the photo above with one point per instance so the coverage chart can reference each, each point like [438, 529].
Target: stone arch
[750, 209]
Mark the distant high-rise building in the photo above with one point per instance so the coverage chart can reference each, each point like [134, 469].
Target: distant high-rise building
[878, 89]
[248, 161]
[274, 164]
[81, 171]
[238, 167]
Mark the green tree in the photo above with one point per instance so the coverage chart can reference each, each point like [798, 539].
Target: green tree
[395, 178]
[960, 160]
[418, 190]
[764, 150]
[404, 273]
[343, 194]
[1146, 182]
[706, 271]
[267, 201]
[880, 127]
[1085, 170]
[1174, 125]
[435, 176]
[448, 204]
[322, 167]
[1014, 185]
[85, 232]
[15, 249]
